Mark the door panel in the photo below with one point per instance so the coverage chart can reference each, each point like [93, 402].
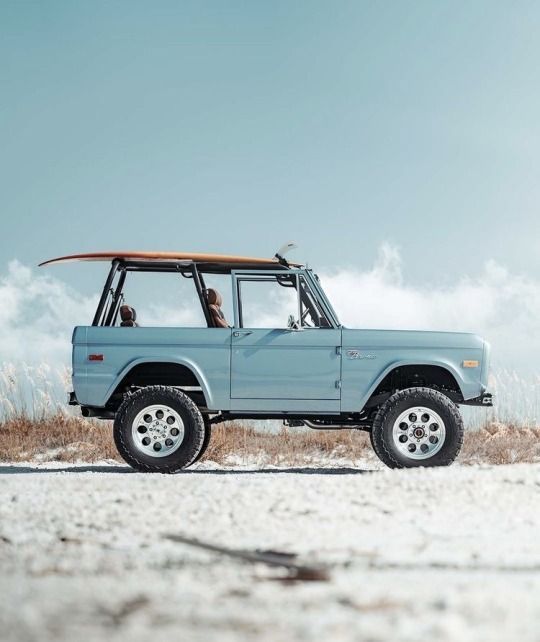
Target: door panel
[285, 364]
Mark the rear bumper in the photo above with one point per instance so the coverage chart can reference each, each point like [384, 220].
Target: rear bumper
[72, 399]
[485, 399]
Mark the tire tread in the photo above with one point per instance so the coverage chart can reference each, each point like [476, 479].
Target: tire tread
[195, 442]
[380, 444]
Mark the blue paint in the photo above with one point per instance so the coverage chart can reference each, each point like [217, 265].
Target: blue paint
[315, 370]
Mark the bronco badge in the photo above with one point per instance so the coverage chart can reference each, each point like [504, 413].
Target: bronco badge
[356, 354]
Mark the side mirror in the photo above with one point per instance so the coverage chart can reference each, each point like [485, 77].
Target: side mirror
[292, 323]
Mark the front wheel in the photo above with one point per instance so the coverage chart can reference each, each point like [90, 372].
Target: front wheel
[159, 429]
[417, 427]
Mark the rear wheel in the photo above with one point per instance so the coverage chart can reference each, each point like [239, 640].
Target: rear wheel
[159, 429]
[417, 427]
[206, 440]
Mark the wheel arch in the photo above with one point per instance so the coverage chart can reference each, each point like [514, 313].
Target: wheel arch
[160, 371]
[410, 374]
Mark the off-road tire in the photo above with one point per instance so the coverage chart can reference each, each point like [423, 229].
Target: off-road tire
[206, 441]
[381, 433]
[373, 444]
[194, 430]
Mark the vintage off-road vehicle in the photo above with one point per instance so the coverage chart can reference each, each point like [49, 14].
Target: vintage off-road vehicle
[165, 387]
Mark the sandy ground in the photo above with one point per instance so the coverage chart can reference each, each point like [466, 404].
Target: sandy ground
[440, 554]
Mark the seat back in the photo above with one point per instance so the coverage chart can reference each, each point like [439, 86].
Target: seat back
[128, 317]
[214, 305]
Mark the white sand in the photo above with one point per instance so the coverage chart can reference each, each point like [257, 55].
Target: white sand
[433, 554]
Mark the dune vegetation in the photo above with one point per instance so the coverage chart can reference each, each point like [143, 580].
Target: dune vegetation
[36, 424]
[67, 438]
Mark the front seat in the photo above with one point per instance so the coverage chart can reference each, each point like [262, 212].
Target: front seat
[214, 305]
[128, 316]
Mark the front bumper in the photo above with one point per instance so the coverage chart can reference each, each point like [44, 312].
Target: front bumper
[485, 399]
[72, 399]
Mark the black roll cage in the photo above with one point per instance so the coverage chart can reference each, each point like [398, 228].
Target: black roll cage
[111, 297]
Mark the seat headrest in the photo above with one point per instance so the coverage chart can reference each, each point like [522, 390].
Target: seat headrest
[127, 313]
[214, 297]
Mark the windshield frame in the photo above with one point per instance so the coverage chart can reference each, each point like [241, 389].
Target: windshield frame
[259, 275]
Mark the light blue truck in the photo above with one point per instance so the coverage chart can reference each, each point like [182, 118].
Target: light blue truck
[165, 387]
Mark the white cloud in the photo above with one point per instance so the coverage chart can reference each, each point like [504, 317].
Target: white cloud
[502, 307]
[38, 312]
[37, 315]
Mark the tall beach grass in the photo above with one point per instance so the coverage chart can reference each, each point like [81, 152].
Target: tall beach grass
[37, 424]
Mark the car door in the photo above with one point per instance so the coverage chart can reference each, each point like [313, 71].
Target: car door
[271, 361]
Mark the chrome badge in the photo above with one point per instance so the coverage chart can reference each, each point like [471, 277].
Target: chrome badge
[356, 354]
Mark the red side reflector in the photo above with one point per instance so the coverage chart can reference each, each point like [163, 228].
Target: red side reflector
[95, 357]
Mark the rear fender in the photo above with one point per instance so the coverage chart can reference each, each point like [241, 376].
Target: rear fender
[196, 371]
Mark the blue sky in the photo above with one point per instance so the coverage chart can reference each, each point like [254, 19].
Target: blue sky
[234, 126]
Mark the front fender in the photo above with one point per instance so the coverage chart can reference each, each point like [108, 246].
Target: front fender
[469, 388]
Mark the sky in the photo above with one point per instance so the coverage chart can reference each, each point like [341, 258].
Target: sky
[358, 129]
[236, 126]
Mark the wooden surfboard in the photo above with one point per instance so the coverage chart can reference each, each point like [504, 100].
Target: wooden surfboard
[163, 256]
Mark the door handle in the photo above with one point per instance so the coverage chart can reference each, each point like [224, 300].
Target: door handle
[240, 333]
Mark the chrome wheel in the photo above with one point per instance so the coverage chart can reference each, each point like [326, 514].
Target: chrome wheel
[157, 430]
[419, 433]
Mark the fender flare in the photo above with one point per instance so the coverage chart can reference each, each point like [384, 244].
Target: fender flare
[445, 365]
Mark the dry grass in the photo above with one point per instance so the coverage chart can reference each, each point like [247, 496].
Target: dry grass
[498, 443]
[59, 437]
[31, 428]
[64, 438]
[285, 447]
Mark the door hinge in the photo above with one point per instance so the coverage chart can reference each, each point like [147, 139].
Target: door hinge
[338, 350]
[338, 384]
